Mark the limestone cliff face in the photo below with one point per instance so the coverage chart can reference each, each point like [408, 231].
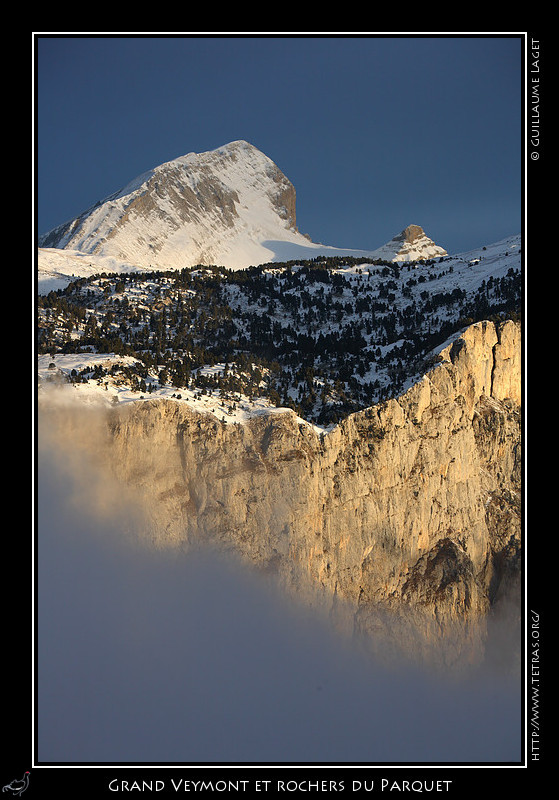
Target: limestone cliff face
[406, 511]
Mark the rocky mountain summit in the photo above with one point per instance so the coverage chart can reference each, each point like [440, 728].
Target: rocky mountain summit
[412, 244]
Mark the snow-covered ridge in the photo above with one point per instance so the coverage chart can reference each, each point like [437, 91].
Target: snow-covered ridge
[54, 372]
[231, 207]
[58, 267]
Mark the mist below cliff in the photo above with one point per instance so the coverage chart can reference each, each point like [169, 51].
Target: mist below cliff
[152, 655]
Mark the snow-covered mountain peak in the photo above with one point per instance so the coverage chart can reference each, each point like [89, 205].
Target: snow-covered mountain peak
[231, 206]
[225, 206]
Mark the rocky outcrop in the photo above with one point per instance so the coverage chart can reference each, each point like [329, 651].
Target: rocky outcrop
[412, 244]
[411, 234]
[404, 520]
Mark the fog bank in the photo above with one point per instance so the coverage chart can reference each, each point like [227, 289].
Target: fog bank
[164, 656]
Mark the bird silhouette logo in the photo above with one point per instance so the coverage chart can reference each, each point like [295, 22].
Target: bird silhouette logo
[17, 787]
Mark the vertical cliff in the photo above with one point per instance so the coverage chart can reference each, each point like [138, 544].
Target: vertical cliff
[404, 520]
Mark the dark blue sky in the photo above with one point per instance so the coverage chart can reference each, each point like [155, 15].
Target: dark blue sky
[375, 133]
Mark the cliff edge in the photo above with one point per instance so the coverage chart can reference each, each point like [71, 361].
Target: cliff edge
[405, 519]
